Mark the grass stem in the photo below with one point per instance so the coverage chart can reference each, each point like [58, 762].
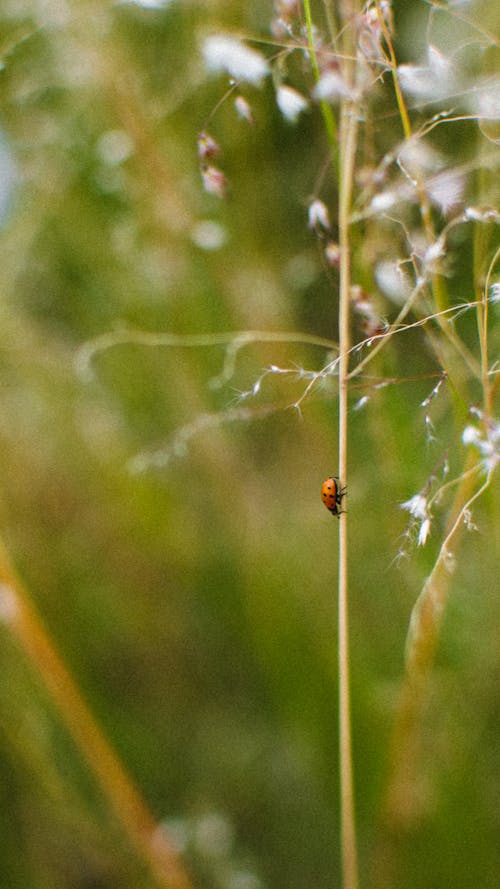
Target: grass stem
[347, 155]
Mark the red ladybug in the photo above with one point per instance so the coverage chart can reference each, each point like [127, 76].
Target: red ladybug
[331, 495]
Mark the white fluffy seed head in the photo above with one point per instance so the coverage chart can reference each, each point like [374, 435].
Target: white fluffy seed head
[424, 531]
[318, 215]
[243, 109]
[446, 189]
[416, 506]
[223, 52]
[392, 281]
[290, 102]
[332, 87]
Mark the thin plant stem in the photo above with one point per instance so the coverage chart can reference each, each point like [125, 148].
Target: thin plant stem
[343, 161]
[348, 840]
[482, 321]
[326, 109]
[347, 155]
[233, 340]
[150, 842]
[345, 170]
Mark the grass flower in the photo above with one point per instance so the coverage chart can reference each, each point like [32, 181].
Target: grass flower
[243, 109]
[416, 506]
[424, 531]
[318, 216]
[291, 103]
[214, 181]
[222, 52]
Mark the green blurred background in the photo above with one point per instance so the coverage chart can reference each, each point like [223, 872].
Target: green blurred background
[195, 603]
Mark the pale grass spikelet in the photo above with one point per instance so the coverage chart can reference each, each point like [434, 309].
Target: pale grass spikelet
[214, 181]
[318, 215]
[495, 292]
[243, 109]
[361, 403]
[392, 281]
[424, 531]
[332, 254]
[471, 435]
[285, 11]
[440, 66]
[371, 30]
[370, 34]
[468, 522]
[383, 201]
[362, 304]
[291, 103]
[485, 439]
[426, 402]
[361, 301]
[416, 158]
[332, 87]
[416, 506]
[416, 80]
[207, 146]
[429, 429]
[222, 52]
[449, 560]
[446, 189]
[281, 28]
[428, 82]
[475, 214]
[433, 253]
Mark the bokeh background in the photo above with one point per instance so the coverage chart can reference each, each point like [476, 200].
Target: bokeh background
[194, 602]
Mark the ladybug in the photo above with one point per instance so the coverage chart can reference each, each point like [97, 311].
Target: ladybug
[331, 495]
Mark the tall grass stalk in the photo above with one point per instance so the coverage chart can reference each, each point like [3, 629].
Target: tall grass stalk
[347, 156]
[344, 162]
[348, 830]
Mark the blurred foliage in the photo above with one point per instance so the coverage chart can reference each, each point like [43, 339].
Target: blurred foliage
[195, 603]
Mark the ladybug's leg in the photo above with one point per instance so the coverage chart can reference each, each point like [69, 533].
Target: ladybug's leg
[340, 495]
